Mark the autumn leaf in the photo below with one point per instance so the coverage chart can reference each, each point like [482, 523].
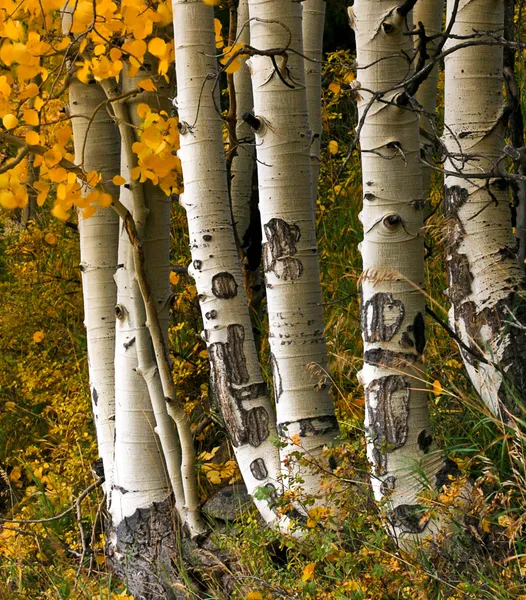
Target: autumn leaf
[9, 121]
[437, 388]
[333, 147]
[50, 238]
[38, 336]
[118, 180]
[334, 87]
[254, 596]
[308, 572]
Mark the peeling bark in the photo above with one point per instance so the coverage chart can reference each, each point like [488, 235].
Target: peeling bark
[485, 278]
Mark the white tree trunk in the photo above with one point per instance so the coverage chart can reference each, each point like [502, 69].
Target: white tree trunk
[243, 163]
[484, 274]
[313, 26]
[304, 406]
[152, 209]
[429, 13]
[140, 472]
[400, 444]
[237, 384]
[98, 149]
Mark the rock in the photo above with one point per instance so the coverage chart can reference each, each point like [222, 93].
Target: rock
[228, 503]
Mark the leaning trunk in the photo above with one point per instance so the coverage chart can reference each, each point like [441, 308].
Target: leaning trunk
[484, 274]
[97, 148]
[305, 410]
[400, 444]
[237, 384]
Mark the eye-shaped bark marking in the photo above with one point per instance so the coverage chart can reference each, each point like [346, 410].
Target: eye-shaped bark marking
[381, 317]
[410, 518]
[224, 286]
[94, 396]
[259, 469]
[228, 369]
[280, 248]
[388, 402]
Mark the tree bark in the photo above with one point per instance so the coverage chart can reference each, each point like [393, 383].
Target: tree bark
[236, 380]
[313, 24]
[485, 277]
[97, 148]
[400, 443]
[304, 406]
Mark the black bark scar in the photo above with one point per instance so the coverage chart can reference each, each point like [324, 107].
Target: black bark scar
[373, 317]
[387, 416]
[229, 369]
[280, 248]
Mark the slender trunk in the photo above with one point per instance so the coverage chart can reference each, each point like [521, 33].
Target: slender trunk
[429, 13]
[484, 275]
[304, 406]
[313, 26]
[243, 182]
[98, 149]
[237, 384]
[400, 444]
[244, 160]
[516, 131]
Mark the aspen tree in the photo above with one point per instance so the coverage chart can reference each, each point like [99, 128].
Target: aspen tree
[97, 148]
[243, 163]
[305, 411]
[400, 444]
[236, 381]
[484, 275]
[313, 26]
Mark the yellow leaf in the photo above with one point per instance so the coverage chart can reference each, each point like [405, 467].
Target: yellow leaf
[10, 121]
[158, 47]
[349, 77]
[335, 87]
[212, 2]
[504, 521]
[105, 200]
[333, 147]
[15, 474]
[38, 336]
[437, 387]
[486, 525]
[88, 212]
[118, 180]
[32, 138]
[143, 110]
[58, 212]
[308, 572]
[254, 596]
[31, 90]
[50, 238]
[31, 117]
[174, 278]
[147, 85]
[57, 175]
[203, 354]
